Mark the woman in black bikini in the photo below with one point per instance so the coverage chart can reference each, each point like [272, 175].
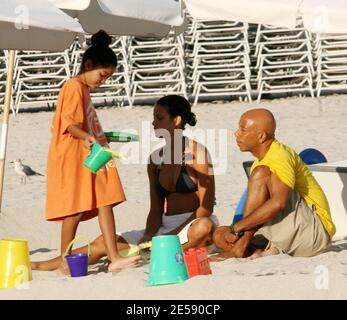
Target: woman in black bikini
[182, 188]
[181, 182]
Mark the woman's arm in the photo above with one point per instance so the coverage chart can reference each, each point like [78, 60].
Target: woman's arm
[203, 167]
[154, 218]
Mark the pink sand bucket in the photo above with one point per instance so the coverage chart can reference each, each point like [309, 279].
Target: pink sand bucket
[77, 262]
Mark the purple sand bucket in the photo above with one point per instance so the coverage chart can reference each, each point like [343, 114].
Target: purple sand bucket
[77, 262]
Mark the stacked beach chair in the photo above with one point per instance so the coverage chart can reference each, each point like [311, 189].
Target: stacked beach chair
[284, 61]
[2, 76]
[210, 60]
[217, 59]
[157, 67]
[330, 53]
[38, 77]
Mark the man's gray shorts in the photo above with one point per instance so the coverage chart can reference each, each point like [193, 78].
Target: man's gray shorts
[297, 231]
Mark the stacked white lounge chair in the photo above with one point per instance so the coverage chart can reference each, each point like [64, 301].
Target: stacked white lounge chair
[283, 61]
[330, 53]
[2, 76]
[210, 60]
[157, 67]
[217, 59]
[38, 77]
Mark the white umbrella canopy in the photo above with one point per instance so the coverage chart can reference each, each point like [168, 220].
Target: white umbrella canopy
[325, 16]
[35, 25]
[320, 16]
[30, 25]
[152, 18]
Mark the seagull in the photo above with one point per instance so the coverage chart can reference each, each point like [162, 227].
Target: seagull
[24, 171]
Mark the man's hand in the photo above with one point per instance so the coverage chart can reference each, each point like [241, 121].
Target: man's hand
[224, 239]
[230, 238]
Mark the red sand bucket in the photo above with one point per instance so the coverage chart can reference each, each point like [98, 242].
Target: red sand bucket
[77, 262]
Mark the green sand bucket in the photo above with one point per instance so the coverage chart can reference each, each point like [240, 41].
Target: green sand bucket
[97, 157]
[167, 263]
[115, 136]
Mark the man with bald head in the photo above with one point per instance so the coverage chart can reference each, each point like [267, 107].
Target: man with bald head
[277, 175]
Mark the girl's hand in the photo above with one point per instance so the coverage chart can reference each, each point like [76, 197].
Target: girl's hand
[89, 141]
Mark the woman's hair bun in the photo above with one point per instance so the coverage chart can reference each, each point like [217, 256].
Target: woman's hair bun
[101, 39]
[192, 119]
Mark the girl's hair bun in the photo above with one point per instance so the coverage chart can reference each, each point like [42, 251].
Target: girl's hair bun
[192, 119]
[101, 39]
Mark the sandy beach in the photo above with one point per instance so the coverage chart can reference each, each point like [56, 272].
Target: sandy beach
[301, 123]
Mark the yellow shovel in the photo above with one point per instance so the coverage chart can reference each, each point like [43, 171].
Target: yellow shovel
[135, 250]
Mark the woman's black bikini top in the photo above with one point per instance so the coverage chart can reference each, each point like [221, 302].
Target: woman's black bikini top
[184, 183]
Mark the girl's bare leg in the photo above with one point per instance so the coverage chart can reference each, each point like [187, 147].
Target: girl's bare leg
[108, 229]
[68, 230]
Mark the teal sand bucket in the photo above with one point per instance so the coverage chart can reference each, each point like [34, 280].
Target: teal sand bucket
[167, 263]
[97, 157]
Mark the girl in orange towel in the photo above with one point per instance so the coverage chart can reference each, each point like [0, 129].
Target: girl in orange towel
[74, 193]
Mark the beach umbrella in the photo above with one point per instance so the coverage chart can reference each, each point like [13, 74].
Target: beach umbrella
[153, 18]
[319, 16]
[29, 25]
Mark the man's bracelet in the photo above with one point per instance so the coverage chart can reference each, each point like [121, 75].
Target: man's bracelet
[236, 233]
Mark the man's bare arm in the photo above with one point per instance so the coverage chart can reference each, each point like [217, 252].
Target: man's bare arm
[278, 198]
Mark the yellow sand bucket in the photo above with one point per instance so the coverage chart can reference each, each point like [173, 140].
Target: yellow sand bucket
[15, 269]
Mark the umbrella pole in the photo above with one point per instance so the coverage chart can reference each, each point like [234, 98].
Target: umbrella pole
[5, 120]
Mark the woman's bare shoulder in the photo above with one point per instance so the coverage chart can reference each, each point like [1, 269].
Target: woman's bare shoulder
[196, 153]
[154, 159]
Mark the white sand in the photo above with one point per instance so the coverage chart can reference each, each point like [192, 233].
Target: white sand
[302, 123]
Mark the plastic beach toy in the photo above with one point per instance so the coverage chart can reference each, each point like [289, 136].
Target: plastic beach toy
[135, 250]
[99, 156]
[197, 262]
[167, 263]
[240, 207]
[77, 262]
[312, 156]
[115, 136]
[15, 269]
